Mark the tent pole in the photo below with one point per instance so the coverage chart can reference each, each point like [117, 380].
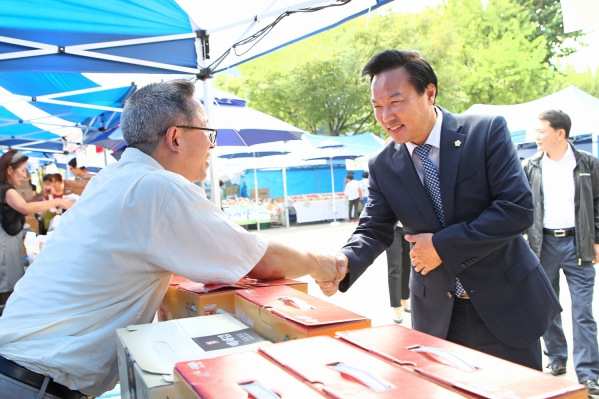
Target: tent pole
[286, 208]
[256, 196]
[208, 102]
[334, 222]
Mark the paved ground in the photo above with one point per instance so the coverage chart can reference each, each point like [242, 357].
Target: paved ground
[369, 295]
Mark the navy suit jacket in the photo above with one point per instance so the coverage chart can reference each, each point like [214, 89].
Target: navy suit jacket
[487, 204]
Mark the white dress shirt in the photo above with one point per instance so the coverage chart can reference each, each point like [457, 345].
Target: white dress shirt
[108, 264]
[558, 191]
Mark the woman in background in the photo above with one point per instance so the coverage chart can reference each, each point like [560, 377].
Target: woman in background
[13, 208]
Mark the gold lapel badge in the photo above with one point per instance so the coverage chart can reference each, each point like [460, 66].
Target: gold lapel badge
[457, 143]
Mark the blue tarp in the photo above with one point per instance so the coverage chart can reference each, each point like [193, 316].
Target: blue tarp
[306, 180]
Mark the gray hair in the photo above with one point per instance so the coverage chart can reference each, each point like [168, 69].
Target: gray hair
[151, 110]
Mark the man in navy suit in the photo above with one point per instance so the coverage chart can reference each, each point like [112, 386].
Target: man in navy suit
[456, 185]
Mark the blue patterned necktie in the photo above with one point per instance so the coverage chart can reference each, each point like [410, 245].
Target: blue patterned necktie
[433, 189]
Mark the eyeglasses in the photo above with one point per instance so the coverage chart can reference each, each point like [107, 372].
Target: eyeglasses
[212, 133]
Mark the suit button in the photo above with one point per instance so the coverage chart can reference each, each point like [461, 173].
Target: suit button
[464, 265]
[449, 295]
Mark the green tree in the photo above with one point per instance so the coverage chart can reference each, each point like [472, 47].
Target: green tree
[481, 53]
[546, 16]
[587, 81]
[502, 65]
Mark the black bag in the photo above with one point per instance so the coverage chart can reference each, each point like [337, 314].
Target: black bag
[12, 220]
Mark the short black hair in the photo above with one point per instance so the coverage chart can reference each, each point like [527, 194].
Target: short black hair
[73, 163]
[365, 175]
[420, 71]
[557, 119]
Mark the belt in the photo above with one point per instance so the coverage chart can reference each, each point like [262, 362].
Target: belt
[559, 232]
[35, 380]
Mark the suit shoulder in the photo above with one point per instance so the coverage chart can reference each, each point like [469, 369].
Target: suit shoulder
[387, 151]
[475, 119]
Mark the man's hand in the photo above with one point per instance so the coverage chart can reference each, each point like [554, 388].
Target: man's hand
[424, 255]
[329, 271]
[596, 254]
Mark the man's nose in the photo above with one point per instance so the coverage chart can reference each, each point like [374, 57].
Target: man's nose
[387, 114]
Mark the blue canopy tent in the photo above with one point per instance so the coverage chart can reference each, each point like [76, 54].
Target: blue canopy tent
[160, 36]
[39, 110]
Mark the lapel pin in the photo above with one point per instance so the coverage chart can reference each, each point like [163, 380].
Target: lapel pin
[457, 143]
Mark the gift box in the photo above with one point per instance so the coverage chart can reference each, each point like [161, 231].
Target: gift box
[238, 376]
[185, 298]
[473, 373]
[342, 371]
[281, 313]
[147, 353]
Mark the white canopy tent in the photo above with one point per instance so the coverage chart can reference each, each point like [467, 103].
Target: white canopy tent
[582, 108]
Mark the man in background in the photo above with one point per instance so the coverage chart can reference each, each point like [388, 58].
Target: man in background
[353, 192]
[565, 235]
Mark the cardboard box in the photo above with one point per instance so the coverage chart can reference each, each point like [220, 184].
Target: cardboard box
[147, 353]
[341, 371]
[490, 377]
[281, 313]
[263, 193]
[184, 298]
[235, 376]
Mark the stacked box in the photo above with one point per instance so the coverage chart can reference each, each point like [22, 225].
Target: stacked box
[281, 313]
[473, 373]
[184, 298]
[147, 353]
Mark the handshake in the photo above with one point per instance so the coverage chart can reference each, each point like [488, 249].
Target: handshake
[328, 271]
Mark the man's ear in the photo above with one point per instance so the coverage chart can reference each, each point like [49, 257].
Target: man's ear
[430, 93]
[562, 133]
[172, 139]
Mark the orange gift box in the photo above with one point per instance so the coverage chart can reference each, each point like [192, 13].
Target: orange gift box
[473, 373]
[185, 298]
[237, 376]
[281, 313]
[343, 371]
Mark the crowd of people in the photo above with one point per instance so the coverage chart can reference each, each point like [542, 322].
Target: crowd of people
[447, 197]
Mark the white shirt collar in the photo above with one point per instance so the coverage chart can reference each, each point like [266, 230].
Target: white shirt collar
[434, 137]
[134, 155]
[568, 156]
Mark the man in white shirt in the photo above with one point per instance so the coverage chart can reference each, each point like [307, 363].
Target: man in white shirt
[354, 195]
[364, 187]
[565, 235]
[109, 262]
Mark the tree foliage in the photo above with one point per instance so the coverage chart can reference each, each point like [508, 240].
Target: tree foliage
[546, 16]
[482, 53]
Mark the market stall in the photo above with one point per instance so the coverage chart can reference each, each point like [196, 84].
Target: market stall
[317, 208]
[243, 211]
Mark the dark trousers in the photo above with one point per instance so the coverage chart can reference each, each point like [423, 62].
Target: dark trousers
[560, 253]
[468, 329]
[353, 204]
[398, 268]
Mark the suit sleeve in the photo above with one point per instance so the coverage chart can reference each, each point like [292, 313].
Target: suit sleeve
[595, 177]
[374, 234]
[510, 211]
